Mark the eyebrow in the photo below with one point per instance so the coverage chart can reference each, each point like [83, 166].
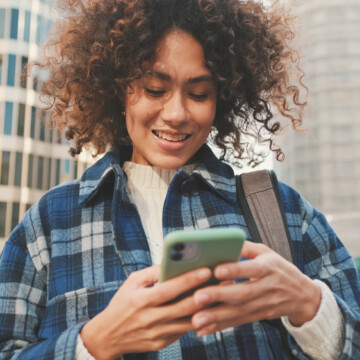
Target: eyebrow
[167, 77]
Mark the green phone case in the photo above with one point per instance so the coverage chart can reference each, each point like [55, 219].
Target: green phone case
[213, 247]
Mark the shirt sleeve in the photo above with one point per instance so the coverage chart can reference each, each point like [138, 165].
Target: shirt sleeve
[321, 255]
[23, 290]
[324, 257]
[321, 338]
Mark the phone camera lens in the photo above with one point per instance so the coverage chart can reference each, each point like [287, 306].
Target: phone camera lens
[176, 256]
[179, 247]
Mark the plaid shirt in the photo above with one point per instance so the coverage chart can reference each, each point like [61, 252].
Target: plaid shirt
[79, 243]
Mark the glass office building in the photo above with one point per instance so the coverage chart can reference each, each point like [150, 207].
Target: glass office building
[32, 157]
[324, 162]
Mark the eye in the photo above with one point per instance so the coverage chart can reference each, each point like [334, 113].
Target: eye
[198, 97]
[155, 93]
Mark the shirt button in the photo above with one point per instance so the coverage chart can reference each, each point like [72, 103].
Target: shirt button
[295, 352]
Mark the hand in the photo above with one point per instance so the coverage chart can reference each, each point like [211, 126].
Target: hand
[139, 317]
[274, 288]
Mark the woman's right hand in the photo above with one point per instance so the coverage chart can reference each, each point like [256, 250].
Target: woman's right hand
[139, 317]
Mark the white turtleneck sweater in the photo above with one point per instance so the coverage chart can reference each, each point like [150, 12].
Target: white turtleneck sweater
[321, 338]
[147, 188]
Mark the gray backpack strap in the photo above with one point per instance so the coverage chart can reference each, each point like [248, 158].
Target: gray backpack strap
[259, 196]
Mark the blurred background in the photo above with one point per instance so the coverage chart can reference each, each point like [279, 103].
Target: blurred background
[322, 163]
[32, 157]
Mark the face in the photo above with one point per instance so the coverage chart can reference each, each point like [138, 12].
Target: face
[170, 110]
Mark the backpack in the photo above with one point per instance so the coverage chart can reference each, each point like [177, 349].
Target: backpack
[260, 200]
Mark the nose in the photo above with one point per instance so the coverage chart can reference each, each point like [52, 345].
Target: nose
[174, 109]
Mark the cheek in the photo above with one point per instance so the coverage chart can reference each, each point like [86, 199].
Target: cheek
[139, 116]
[207, 118]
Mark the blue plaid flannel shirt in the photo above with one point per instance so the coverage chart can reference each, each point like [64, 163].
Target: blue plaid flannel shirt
[78, 244]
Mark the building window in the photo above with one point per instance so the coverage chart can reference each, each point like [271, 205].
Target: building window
[40, 172]
[75, 169]
[2, 23]
[57, 176]
[2, 218]
[58, 137]
[33, 122]
[30, 170]
[15, 214]
[18, 168]
[35, 82]
[67, 167]
[50, 132]
[14, 24]
[48, 185]
[38, 29]
[42, 131]
[8, 118]
[21, 120]
[5, 168]
[11, 70]
[27, 26]
[23, 78]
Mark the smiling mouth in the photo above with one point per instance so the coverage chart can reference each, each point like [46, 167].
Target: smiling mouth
[170, 137]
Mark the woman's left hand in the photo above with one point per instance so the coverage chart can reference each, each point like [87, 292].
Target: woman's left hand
[274, 288]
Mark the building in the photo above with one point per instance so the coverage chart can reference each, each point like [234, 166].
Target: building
[32, 158]
[324, 162]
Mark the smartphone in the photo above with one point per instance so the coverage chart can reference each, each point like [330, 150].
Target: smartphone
[186, 250]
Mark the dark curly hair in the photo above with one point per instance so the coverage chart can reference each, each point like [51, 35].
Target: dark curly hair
[101, 46]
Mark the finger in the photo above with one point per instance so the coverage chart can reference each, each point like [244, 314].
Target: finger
[223, 317]
[214, 325]
[145, 277]
[177, 310]
[175, 313]
[216, 318]
[251, 250]
[214, 328]
[249, 269]
[259, 267]
[230, 294]
[267, 305]
[170, 289]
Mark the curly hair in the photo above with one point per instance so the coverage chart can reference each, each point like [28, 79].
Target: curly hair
[101, 47]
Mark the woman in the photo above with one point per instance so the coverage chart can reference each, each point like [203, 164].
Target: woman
[152, 79]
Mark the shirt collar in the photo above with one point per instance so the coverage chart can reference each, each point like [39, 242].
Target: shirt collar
[216, 174]
[100, 173]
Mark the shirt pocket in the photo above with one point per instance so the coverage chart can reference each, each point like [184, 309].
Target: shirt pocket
[65, 310]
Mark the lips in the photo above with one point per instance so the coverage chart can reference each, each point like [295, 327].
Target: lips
[170, 137]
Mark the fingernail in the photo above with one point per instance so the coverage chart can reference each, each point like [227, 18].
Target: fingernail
[201, 321]
[202, 298]
[223, 272]
[203, 274]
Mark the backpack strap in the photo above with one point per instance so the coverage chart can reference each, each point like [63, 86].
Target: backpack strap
[259, 197]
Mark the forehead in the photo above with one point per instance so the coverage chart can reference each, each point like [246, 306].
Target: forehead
[180, 50]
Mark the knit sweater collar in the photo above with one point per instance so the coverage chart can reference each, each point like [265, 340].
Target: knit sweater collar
[151, 177]
[216, 174]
